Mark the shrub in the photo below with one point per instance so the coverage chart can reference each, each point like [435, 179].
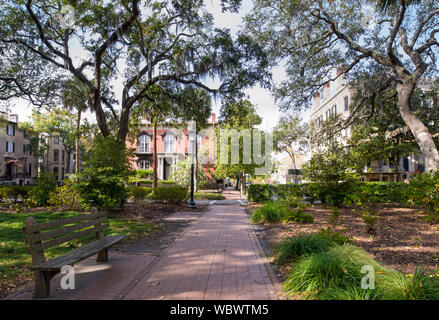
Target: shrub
[424, 192]
[139, 193]
[67, 198]
[299, 215]
[268, 192]
[370, 218]
[334, 216]
[144, 173]
[46, 183]
[107, 169]
[270, 212]
[321, 275]
[15, 192]
[208, 196]
[291, 248]
[279, 212]
[420, 286]
[171, 194]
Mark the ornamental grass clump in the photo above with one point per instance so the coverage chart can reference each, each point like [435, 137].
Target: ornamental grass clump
[291, 248]
[326, 274]
[279, 212]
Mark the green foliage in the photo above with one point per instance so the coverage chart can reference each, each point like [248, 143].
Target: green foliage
[172, 194]
[370, 218]
[139, 193]
[318, 275]
[46, 183]
[334, 216]
[208, 196]
[268, 192]
[107, 169]
[424, 192]
[279, 212]
[144, 173]
[67, 197]
[421, 285]
[15, 192]
[291, 248]
[182, 174]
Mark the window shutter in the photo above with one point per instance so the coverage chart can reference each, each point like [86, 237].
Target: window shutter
[13, 130]
[7, 146]
[13, 146]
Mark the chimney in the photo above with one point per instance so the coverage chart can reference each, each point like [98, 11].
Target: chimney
[213, 117]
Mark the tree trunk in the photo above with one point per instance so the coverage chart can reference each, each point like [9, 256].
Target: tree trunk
[78, 135]
[418, 129]
[100, 118]
[154, 156]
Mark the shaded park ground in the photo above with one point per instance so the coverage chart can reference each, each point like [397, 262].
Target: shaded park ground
[403, 239]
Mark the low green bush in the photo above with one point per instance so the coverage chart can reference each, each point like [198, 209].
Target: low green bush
[46, 183]
[279, 212]
[268, 192]
[319, 275]
[67, 198]
[171, 194]
[291, 248]
[336, 273]
[271, 212]
[208, 196]
[139, 193]
[424, 192]
[13, 193]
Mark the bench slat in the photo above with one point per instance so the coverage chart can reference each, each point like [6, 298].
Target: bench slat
[31, 239]
[61, 222]
[71, 236]
[78, 254]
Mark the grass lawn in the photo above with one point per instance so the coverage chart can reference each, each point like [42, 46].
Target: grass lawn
[14, 259]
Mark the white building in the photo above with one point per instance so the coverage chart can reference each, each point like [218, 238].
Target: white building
[334, 98]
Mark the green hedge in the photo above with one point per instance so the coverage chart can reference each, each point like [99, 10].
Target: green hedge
[171, 194]
[208, 196]
[14, 192]
[335, 193]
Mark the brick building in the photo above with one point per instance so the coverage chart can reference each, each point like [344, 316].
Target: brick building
[173, 145]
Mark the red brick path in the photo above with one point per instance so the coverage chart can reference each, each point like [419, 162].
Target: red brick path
[218, 257]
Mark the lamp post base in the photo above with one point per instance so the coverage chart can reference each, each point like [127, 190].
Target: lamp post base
[192, 205]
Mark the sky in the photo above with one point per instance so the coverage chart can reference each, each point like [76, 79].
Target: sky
[260, 97]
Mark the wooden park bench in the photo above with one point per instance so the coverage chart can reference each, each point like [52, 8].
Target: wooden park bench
[42, 236]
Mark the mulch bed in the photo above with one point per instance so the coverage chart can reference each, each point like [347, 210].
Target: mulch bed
[403, 239]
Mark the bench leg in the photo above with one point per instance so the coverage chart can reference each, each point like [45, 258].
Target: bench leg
[102, 255]
[42, 284]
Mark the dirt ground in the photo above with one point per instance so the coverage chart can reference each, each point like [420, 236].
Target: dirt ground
[403, 239]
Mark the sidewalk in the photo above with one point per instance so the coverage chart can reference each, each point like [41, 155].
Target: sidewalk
[217, 257]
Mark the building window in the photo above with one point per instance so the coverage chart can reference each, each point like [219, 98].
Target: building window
[170, 144]
[144, 165]
[55, 155]
[62, 155]
[144, 142]
[29, 170]
[346, 103]
[334, 109]
[62, 173]
[10, 130]
[198, 144]
[56, 140]
[10, 146]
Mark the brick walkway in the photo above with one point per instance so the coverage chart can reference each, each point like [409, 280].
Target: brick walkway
[217, 257]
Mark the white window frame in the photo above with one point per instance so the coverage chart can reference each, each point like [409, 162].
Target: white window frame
[144, 165]
[10, 130]
[144, 143]
[170, 144]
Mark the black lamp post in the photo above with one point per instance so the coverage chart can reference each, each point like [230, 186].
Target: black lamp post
[192, 139]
